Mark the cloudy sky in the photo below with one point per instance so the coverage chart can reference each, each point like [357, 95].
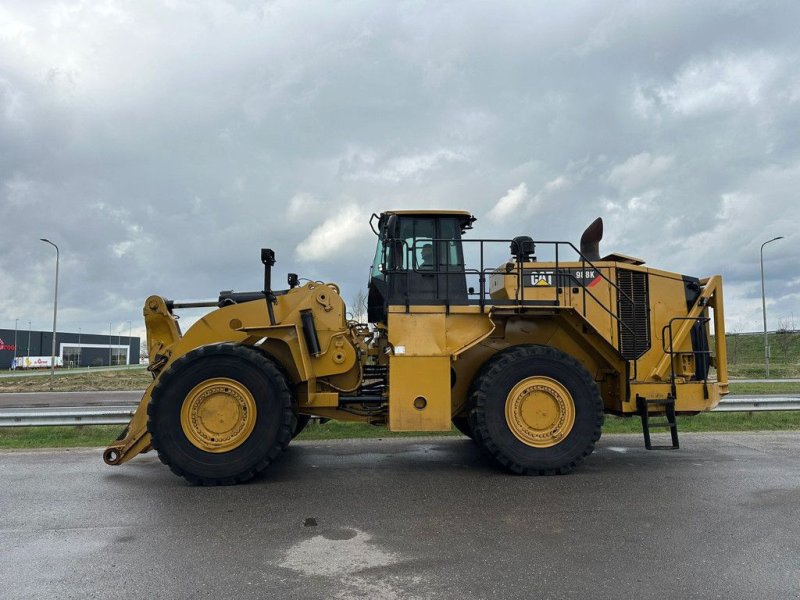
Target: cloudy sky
[161, 144]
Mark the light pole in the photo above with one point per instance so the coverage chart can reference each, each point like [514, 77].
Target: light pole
[129, 341]
[16, 321]
[79, 346]
[109, 344]
[28, 353]
[55, 313]
[764, 305]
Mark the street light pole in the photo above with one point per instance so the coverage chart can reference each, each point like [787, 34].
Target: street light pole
[764, 305]
[129, 341]
[16, 321]
[28, 353]
[55, 314]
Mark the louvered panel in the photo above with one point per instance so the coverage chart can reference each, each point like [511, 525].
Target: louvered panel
[633, 310]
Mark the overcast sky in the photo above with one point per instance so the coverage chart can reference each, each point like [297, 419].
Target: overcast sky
[162, 144]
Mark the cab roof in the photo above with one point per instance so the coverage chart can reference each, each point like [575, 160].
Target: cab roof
[465, 217]
[447, 213]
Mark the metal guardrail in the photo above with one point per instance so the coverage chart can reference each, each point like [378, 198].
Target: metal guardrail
[66, 415]
[120, 415]
[735, 403]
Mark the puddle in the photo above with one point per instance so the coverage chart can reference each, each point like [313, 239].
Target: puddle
[337, 552]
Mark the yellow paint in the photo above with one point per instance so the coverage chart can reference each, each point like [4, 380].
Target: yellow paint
[218, 415]
[690, 395]
[427, 347]
[322, 400]
[540, 412]
[413, 377]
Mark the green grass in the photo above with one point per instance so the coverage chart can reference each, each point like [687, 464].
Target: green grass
[706, 422]
[58, 437]
[757, 389]
[746, 355]
[102, 435]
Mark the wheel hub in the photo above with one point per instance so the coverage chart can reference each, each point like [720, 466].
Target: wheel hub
[218, 415]
[540, 412]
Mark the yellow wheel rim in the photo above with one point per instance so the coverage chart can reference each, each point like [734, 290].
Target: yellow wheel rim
[540, 412]
[218, 415]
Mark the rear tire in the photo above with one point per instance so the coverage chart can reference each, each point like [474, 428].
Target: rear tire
[537, 410]
[220, 415]
[461, 422]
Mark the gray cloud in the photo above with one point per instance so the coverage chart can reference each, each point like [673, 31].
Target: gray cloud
[161, 145]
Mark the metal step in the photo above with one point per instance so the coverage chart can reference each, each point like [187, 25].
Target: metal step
[665, 407]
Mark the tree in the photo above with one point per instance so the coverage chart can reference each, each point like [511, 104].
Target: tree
[358, 307]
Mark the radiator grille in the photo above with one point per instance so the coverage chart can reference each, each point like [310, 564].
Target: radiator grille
[633, 309]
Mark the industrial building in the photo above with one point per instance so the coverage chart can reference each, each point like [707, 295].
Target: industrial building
[74, 349]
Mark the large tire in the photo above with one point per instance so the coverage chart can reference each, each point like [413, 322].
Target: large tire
[221, 414]
[536, 410]
[461, 422]
[302, 421]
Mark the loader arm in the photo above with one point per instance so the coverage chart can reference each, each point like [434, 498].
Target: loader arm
[162, 334]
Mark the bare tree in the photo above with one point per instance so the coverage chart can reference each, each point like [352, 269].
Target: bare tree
[358, 307]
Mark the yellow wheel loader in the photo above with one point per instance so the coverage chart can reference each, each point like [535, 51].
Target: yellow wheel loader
[525, 356]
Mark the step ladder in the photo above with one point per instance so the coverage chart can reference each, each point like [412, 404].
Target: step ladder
[665, 407]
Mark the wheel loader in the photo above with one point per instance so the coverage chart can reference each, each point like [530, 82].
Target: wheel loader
[525, 356]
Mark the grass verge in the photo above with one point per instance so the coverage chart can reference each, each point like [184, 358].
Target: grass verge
[64, 381]
[73, 436]
[102, 435]
[759, 388]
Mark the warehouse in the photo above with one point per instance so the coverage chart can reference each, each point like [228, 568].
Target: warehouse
[74, 349]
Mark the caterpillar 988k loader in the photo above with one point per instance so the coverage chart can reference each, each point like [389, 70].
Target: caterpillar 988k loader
[527, 361]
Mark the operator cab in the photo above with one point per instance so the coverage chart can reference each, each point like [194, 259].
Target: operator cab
[419, 260]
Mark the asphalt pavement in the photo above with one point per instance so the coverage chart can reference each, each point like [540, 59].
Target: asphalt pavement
[411, 518]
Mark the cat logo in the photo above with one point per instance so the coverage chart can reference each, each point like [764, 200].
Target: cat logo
[542, 282]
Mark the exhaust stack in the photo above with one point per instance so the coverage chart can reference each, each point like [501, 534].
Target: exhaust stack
[590, 240]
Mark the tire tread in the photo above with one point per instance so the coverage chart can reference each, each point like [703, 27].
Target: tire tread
[261, 362]
[479, 400]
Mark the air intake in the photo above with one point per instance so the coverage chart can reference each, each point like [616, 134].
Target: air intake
[633, 310]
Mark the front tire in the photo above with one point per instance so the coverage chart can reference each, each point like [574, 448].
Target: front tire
[302, 421]
[536, 410]
[461, 422]
[221, 414]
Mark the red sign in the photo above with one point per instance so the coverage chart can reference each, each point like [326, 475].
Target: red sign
[4, 346]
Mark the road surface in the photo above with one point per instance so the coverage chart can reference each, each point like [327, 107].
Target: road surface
[411, 518]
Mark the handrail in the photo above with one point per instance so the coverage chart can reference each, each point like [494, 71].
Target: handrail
[672, 352]
[559, 274]
[710, 296]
